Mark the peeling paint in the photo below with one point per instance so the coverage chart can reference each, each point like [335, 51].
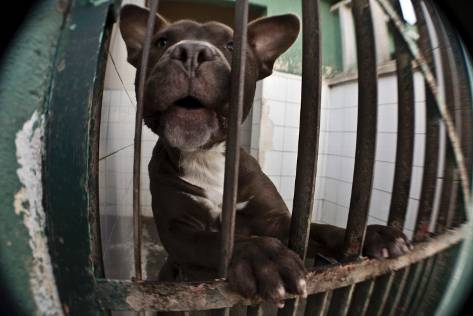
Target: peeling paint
[28, 203]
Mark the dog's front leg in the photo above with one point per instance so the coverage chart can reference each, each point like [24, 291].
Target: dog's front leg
[380, 241]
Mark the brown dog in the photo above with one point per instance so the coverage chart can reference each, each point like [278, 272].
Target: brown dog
[187, 103]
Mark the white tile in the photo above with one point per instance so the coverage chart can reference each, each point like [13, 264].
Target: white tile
[278, 138]
[374, 221]
[292, 116]
[275, 87]
[335, 121]
[342, 216]
[348, 144]
[383, 176]
[350, 119]
[419, 149]
[420, 117]
[294, 90]
[272, 163]
[386, 147]
[329, 213]
[411, 215]
[289, 204]
[379, 205]
[334, 143]
[289, 162]
[419, 87]
[333, 167]
[344, 194]
[387, 118]
[331, 189]
[387, 90]
[416, 182]
[322, 165]
[277, 110]
[347, 167]
[337, 97]
[350, 95]
[287, 187]
[319, 187]
[291, 139]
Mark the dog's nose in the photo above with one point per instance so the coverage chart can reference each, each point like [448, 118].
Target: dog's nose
[192, 55]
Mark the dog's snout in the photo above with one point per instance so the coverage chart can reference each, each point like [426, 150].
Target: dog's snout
[192, 55]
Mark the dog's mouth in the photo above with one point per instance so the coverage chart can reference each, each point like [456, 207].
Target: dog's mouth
[189, 103]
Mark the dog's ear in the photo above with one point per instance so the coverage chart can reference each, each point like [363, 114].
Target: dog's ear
[270, 37]
[133, 21]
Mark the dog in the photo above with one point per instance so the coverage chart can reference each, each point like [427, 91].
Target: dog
[186, 103]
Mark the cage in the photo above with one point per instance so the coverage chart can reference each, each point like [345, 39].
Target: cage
[380, 132]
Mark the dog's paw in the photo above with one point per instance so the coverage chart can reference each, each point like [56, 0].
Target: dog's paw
[385, 242]
[263, 267]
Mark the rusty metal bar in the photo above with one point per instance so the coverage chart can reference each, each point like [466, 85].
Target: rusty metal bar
[432, 130]
[432, 86]
[448, 195]
[232, 155]
[422, 287]
[232, 158]
[341, 299]
[399, 283]
[366, 130]
[162, 296]
[317, 305]
[308, 136]
[405, 132]
[412, 281]
[361, 298]
[382, 286]
[137, 141]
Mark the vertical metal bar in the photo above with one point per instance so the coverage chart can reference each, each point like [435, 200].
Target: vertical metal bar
[308, 136]
[341, 299]
[423, 282]
[137, 141]
[413, 278]
[366, 134]
[429, 177]
[232, 158]
[399, 283]
[382, 286]
[318, 304]
[361, 298]
[405, 132]
[449, 69]
[232, 155]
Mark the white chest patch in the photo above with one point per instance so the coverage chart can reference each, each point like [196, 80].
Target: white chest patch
[206, 169]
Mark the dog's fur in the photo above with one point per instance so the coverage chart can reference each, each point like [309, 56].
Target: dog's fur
[187, 103]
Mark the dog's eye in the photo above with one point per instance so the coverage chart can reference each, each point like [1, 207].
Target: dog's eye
[229, 46]
[162, 42]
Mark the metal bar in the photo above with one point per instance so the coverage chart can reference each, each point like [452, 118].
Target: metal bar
[423, 283]
[432, 130]
[399, 283]
[361, 298]
[317, 305]
[149, 295]
[232, 157]
[382, 286]
[413, 278]
[341, 299]
[433, 87]
[137, 141]
[405, 133]
[308, 137]
[366, 130]
[449, 69]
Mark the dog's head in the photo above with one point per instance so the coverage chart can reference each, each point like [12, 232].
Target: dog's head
[187, 90]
